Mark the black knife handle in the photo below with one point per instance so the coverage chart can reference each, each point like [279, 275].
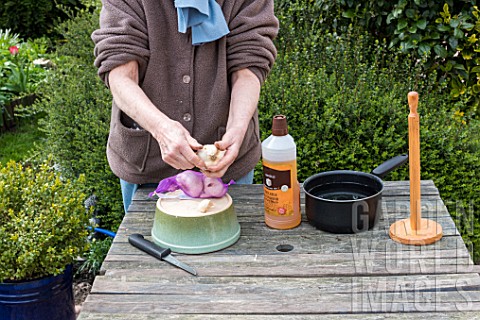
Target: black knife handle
[137, 240]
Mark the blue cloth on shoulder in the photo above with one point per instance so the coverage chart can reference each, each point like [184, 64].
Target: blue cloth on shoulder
[205, 17]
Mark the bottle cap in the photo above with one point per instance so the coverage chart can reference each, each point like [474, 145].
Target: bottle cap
[279, 125]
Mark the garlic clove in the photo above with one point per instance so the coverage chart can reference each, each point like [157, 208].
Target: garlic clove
[204, 205]
[210, 154]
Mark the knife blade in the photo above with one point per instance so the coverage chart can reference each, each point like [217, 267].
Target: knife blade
[137, 240]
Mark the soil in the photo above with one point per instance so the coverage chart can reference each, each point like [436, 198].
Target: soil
[82, 284]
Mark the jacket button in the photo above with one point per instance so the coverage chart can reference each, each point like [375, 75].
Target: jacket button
[187, 117]
[186, 79]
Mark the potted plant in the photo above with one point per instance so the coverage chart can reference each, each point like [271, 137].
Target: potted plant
[43, 229]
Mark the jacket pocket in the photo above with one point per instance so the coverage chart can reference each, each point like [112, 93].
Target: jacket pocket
[131, 145]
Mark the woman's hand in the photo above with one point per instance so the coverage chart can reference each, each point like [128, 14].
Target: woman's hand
[177, 147]
[231, 143]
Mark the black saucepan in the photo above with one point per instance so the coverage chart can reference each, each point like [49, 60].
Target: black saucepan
[345, 201]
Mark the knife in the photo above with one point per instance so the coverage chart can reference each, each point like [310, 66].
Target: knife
[137, 240]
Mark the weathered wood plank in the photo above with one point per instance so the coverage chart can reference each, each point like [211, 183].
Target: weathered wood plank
[149, 284]
[143, 226]
[364, 294]
[363, 316]
[312, 243]
[281, 303]
[309, 269]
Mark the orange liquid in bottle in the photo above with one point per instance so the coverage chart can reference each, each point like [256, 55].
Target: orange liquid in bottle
[281, 192]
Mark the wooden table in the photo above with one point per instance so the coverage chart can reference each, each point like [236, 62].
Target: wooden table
[327, 276]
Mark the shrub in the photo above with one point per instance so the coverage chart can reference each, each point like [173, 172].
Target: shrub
[43, 223]
[34, 18]
[77, 107]
[444, 33]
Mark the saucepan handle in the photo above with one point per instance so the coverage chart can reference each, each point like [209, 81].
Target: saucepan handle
[389, 165]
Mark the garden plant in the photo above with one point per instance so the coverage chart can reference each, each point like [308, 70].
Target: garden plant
[43, 220]
[23, 66]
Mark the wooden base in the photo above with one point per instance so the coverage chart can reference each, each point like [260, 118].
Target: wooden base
[428, 233]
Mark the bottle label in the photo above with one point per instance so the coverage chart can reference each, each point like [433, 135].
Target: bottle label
[278, 191]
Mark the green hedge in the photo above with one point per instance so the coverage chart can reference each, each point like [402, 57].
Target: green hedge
[77, 106]
[34, 18]
[445, 34]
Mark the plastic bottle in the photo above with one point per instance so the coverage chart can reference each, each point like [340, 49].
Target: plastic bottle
[281, 189]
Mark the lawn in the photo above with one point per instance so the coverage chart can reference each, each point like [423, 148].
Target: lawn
[19, 144]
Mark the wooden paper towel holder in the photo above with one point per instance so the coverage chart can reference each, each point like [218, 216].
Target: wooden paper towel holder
[415, 230]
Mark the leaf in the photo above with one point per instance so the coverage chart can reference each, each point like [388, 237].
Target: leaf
[476, 69]
[445, 9]
[454, 23]
[443, 28]
[467, 55]
[440, 51]
[455, 92]
[402, 24]
[422, 24]
[350, 13]
[410, 13]
[453, 42]
[393, 42]
[390, 17]
[457, 33]
[402, 3]
[472, 39]
[435, 35]
[397, 12]
[406, 46]
[424, 49]
[467, 26]
[449, 65]
[476, 88]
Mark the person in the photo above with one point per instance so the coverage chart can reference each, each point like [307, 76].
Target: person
[183, 74]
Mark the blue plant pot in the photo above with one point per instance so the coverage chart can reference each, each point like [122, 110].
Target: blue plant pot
[49, 298]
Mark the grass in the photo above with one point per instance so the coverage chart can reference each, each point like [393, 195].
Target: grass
[19, 143]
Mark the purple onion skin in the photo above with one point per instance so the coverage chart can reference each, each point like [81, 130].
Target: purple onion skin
[213, 188]
[191, 183]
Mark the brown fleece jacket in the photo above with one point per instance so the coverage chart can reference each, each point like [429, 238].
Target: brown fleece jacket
[190, 84]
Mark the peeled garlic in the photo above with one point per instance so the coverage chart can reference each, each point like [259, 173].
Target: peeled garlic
[210, 154]
[204, 205]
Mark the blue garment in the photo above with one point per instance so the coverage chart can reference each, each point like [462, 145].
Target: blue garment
[129, 189]
[205, 17]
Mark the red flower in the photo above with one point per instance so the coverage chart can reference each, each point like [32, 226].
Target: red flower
[13, 50]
